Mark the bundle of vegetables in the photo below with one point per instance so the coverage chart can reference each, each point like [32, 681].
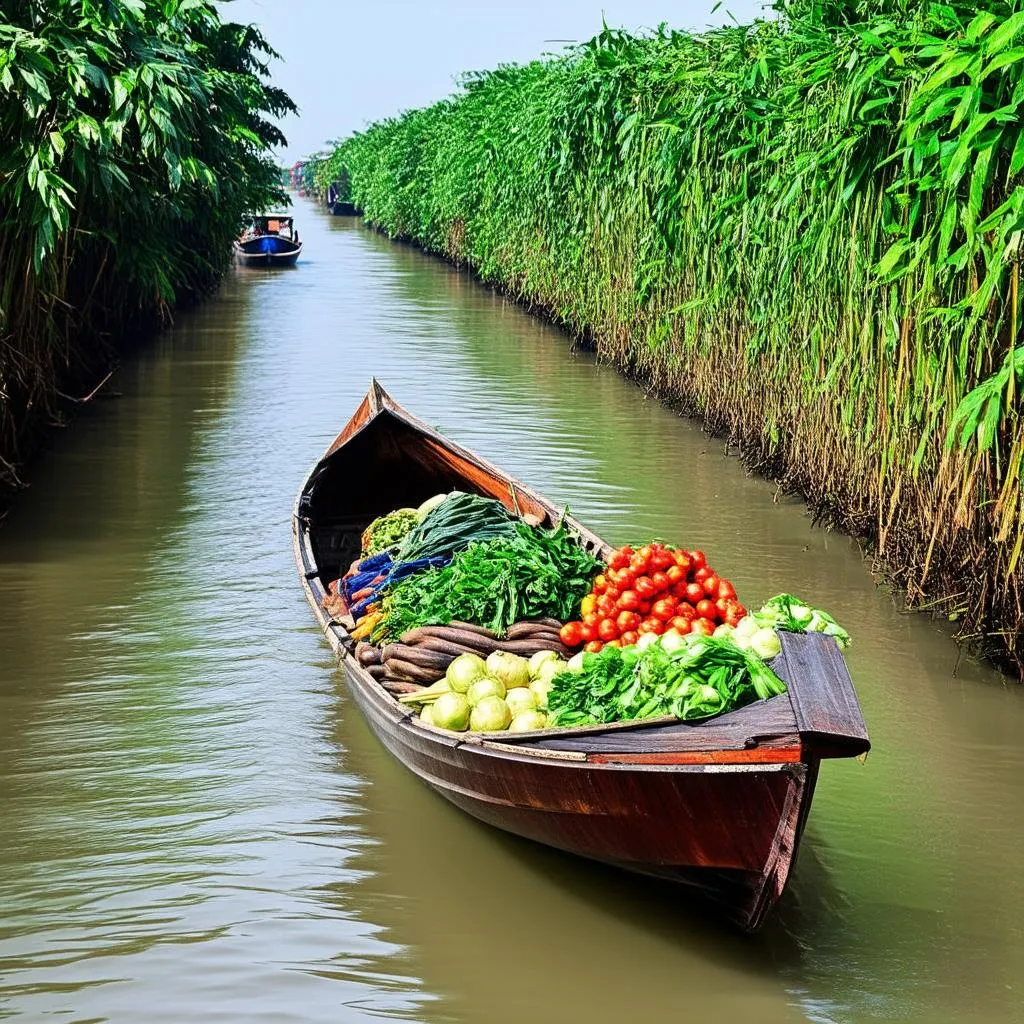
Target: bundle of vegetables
[531, 574]
[652, 590]
[502, 692]
[698, 678]
[423, 655]
[453, 524]
[784, 611]
[386, 531]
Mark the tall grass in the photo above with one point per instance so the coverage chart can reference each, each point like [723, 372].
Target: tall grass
[134, 142]
[807, 229]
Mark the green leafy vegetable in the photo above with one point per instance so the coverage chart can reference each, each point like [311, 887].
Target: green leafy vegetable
[531, 574]
[784, 611]
[455, 523]
[705, 677]
[387, 531]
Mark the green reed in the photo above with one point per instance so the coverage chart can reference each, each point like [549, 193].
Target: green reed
[135, 140]
[807, 229]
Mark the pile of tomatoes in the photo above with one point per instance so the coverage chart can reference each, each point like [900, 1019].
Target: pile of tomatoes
[651, 590]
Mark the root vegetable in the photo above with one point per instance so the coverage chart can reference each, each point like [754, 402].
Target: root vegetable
[415, 673]
[367, 654]
[421, 656]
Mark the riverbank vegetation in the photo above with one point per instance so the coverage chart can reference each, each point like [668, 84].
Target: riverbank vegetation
[135, 140]
[806, 230]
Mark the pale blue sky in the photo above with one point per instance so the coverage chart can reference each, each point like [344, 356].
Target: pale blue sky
[347, 64]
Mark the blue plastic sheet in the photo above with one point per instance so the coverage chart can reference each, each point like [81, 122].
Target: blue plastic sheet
[371, 568]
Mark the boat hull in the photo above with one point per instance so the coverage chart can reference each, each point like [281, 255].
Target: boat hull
[728, 833]
[267, 251]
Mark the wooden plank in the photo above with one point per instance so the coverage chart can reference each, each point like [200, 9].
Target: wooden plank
[822, 694]
[788, 754]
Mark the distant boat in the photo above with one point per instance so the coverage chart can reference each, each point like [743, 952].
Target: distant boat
[269, 241]
[338, 206]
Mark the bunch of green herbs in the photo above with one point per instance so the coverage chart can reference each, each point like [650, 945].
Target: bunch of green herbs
[531, 574]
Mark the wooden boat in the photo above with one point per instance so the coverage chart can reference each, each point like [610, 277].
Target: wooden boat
[338, 206]
[718, 806]
[269, 241]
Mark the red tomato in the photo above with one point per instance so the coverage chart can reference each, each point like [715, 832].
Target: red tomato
[629, 638]
[591, 618]
[627, 621]
[645, 588]
[681, 624]
[704, 626]
[619, 560]
[600, 583]
[683, 561]
[694, 593]
[594, 647]
[655, 626]
[613, 592]
[624, 578]
[675, 575]
[731, 618]
[697, 559]
[662, 559]
[571, 634]
[605, 606]
[726, 590]
[701, 574]
[707, 610]
[629, 600]
[664, 609]
[588, 604]
[686, 609]
[644, 609]
[722, 605]
[711, 582]
[617, 642]
[607, 630]
[640, 564]
[740, 610]
[588, 631]
[661, 581]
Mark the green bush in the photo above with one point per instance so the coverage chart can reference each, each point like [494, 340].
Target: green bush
[135, 141]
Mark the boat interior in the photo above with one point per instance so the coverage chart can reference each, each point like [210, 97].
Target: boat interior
[407, 467]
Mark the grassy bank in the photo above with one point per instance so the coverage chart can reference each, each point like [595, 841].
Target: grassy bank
[805, 229]
[135, 140]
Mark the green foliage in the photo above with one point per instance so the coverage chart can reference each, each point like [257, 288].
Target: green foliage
[135, 141]
[808, 228]
[529, 575]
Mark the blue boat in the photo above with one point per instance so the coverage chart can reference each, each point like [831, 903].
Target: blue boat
[269, 241]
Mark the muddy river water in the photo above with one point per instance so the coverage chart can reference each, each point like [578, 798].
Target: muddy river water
[195, 823]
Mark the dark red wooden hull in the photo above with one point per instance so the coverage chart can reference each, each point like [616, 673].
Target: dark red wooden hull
[719, 807]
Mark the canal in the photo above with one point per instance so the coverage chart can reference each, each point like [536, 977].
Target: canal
[195, 824]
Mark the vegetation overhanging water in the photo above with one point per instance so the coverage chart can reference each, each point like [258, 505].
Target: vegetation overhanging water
[135, 139]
